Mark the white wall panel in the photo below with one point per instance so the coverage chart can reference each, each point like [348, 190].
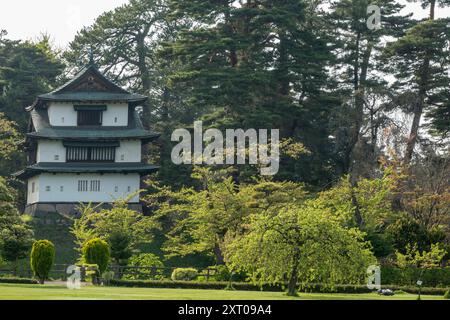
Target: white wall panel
[64, 187]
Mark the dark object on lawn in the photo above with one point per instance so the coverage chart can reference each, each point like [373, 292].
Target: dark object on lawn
[386, 292]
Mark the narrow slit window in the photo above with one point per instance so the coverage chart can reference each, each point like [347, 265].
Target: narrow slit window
[82, 185]
[95, 185]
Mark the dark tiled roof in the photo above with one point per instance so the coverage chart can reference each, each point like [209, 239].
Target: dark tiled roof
[76, 90]
[76, 167]
[42, 129]
[93, 97]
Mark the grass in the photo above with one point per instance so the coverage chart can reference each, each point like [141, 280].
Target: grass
[60, 292]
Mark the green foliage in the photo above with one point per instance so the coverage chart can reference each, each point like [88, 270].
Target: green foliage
[16, 237]
[124, 229]
[420, 58]
[17, 280]
[424, 259]
[97, 251]
[407, 231]
[372, 196]
[120, 247]
[222, 273]
[145, 260]
[184, 274]
[303, 245]
[15, 242]
[41, 260]
[200, 220]
[9, 137]
[434, 277]
[27, 69]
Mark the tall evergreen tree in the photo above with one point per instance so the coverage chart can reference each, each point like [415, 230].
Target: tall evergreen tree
[421, 63]
[358, 46]
[27, 69]
[260, 64]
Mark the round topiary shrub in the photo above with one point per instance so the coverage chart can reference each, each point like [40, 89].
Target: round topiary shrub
[96, 251]
[184, 274]
[41, 259]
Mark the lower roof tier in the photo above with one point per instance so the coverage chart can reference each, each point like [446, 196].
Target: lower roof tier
[77, 167]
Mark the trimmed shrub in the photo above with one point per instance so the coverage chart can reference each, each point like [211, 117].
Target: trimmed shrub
[17, 280]
[184, 274]
[96, 251]
[41, 260]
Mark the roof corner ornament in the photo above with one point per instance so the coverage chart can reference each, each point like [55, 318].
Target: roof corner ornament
[91, 56]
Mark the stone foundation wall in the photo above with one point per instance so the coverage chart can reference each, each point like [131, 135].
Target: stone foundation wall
[69, 210]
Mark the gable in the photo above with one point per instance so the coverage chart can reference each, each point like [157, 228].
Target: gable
[90, 80]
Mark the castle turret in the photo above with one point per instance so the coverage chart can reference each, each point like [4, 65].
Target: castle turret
[85, 144]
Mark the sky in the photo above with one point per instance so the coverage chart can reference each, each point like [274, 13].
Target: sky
[61, 19]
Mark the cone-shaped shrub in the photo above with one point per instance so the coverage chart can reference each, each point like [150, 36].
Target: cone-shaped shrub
[96, 251]
[41, 260]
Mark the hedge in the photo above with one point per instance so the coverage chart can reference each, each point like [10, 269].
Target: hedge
[438, 277]
[18, 280]
[251, 287]
[190, 285]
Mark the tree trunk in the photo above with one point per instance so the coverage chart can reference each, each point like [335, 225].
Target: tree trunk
[418, 108]
[292, 284]
[218, 254]
[359, 80]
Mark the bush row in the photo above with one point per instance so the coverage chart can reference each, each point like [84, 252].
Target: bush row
[191, 285]
[439, 277]
[18, 280]
[251, 287]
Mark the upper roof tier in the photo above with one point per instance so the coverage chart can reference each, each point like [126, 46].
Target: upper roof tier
[41, 128]
[89, 85]
[90, 88]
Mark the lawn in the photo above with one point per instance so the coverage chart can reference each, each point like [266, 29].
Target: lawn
[59, 292]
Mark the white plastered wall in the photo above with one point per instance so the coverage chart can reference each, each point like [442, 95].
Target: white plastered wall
[54, 151]
[129, 151]
[63, 188]
[64, 114]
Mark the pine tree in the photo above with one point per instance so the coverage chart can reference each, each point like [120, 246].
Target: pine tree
[421, 62]
[26, 70]
[260, 64]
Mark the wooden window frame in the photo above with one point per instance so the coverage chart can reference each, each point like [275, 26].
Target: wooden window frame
[91, 154]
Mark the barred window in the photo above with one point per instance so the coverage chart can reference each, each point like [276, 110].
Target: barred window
[92, 154]
[95, 185]
[82, 185]
[90, 118]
